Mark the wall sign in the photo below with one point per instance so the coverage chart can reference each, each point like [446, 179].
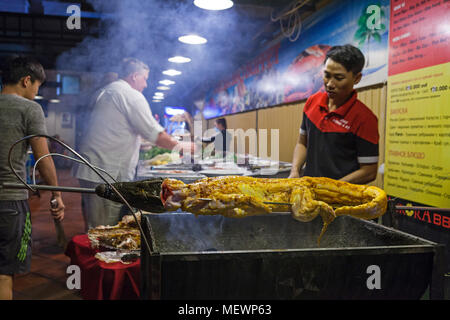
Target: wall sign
[418, 106]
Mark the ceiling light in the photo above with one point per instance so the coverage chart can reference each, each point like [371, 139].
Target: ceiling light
[155, 100]
[173, 111]
[38, 97]
[171, 72]
[192, 39]
[159, 94]
[167, 82]
[179, 59]
[162, 88]
[53, 101]
[214, 4]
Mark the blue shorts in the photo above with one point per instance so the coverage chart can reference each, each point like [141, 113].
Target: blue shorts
[15, 237]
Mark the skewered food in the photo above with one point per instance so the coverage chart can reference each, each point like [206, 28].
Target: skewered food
[115, 238]
[236, 196]
[125, 235]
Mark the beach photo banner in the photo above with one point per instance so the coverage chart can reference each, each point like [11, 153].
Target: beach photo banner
[290, 71]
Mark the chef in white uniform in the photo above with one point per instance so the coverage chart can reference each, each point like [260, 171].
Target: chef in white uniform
[121, 116]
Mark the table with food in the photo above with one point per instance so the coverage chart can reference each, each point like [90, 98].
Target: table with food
[158, 162]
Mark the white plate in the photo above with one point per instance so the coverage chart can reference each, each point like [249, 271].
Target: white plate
[161, 173]
[221, 172]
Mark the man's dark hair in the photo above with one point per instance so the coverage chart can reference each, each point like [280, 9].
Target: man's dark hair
[347, 55]
[15, 68]
[222, 122]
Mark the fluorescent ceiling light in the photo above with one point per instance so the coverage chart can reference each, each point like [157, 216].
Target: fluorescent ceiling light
[162, 88]
[53, 101]
[214, 4]
[159, 94]
[174, 111]
[171, 72]
[179, 59]
[167, 82]
[192, 39]
[38, 98]
[155, 100]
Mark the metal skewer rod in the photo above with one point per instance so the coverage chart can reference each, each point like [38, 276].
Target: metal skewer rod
[445, 210]
[266, 202]
[8, 185]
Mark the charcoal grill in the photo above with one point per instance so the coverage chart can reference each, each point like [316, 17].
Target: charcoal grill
[277, 257]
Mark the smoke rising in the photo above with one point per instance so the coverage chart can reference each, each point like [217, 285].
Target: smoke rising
[149, 31]
[184, 233]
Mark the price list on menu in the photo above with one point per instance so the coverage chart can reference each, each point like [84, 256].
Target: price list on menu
[418, 106]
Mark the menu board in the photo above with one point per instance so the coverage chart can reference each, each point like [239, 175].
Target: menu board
[418, 106]
[418, 34]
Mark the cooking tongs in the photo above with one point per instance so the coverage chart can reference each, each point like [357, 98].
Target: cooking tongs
[72, 189]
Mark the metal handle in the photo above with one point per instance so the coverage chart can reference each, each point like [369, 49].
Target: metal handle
[60, 234]
[440, 210]
[8, 185]
[53, 203]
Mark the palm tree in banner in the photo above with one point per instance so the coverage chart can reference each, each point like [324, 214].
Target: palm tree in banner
[370, 27]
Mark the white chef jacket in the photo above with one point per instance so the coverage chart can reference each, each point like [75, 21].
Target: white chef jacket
[120, 117]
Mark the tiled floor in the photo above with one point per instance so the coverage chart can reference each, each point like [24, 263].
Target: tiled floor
[47, 278]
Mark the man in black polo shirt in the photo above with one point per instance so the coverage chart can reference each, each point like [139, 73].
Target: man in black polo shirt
[339, 134]
[222, 139]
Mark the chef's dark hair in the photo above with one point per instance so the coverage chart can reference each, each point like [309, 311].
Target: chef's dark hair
[131, 65]
[17, 67]
[222, 122]
[349, 56]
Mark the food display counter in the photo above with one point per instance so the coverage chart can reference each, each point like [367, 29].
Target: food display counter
[213, 167]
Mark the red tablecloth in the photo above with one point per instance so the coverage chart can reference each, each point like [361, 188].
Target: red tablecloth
[101, 280]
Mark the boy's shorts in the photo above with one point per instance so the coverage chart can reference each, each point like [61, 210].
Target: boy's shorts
[15, 237]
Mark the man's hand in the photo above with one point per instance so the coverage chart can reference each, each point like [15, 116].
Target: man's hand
[57, 210]
[294, 174]
[186, 147]
[365, 174]
[299, 157]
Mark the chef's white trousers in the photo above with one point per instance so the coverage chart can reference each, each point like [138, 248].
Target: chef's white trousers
[97, 210]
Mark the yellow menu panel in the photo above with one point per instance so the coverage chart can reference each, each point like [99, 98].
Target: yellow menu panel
[417, 164]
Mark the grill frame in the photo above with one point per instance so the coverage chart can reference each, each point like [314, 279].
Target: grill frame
[408, 268]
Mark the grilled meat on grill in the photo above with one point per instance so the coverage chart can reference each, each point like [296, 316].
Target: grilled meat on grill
[236, 196]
